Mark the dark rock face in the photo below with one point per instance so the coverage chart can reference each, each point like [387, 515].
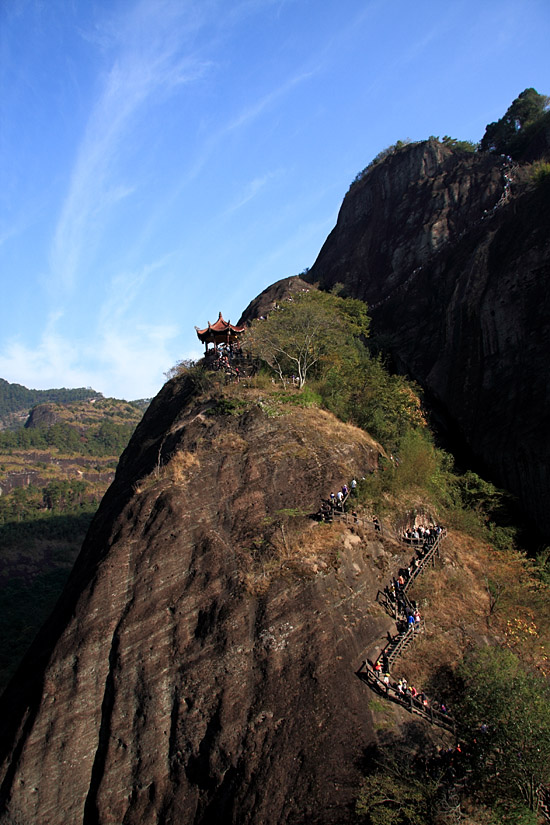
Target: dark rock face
[43, 415]
[267, 300]
[452, 254]
[187, 675]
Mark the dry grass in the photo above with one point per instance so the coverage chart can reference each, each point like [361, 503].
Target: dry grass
[180, 466]
[177, 470]
[477, 595]
[297, 547]
[229, 442]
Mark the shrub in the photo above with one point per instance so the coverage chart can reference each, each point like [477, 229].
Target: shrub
[504, 711]
[541, 172]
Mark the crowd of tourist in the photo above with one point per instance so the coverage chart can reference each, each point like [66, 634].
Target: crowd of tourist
[408, 619]
[407, 692]
[228, 359]
[408, 695]
[336, 502]
[423, 534]
[407, 613]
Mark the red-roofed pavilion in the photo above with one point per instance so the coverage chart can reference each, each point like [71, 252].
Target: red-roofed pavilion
[221, 333]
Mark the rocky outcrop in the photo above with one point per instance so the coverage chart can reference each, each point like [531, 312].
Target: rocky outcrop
[452, 253]
[44, 415]
[200, 665]
[271, 297]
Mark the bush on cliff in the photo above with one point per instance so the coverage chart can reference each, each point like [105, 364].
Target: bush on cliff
[541, 172]
[362, 391]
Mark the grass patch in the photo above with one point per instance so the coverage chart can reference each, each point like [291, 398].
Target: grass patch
[377, 705]
[541, 172]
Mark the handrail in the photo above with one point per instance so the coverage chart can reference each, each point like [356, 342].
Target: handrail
[436, 717]
[351, 518]
[429, 556]
[403, 640]
[543, 794]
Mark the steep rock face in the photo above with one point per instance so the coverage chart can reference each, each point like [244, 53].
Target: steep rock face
[43, 415]
[452, 254]
[200, 664]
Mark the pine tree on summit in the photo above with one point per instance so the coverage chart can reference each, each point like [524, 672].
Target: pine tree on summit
[525, 109]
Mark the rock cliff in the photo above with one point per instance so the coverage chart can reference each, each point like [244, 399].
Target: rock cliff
[199, 666]
[44, 415]
[452, 253]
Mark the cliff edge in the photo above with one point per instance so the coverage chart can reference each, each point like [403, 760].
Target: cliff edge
[451, 251]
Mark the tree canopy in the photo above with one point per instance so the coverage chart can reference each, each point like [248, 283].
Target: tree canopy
[16, 397]
[308, 333]
[505, 716]
[501, 135]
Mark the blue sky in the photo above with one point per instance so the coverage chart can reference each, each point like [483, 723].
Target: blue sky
[163, 160]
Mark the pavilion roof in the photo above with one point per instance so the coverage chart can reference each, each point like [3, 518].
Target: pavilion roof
[219, 329]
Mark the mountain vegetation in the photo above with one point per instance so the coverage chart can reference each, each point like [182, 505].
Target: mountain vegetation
[526, 115]
[309, 334]
[499, 692]
[15, 398]
[323, 337]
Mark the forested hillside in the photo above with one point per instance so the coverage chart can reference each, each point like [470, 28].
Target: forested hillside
[17, 399]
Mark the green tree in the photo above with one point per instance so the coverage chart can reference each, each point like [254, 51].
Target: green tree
[308, 334]
[504, 713]
[526, 108]
[393, 799]
[459, 145]
[361, 390]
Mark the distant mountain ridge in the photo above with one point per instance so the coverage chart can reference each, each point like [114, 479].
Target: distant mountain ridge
[16, 399]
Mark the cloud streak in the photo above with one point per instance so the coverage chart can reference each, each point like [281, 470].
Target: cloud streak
[254, 188]
[146, 62]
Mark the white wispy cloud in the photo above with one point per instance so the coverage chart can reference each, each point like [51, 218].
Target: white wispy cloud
[124, 360]
[131, 362]
[122, 354]
[54, 360]
[147, 59]
[124, 291]
[253, 188]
